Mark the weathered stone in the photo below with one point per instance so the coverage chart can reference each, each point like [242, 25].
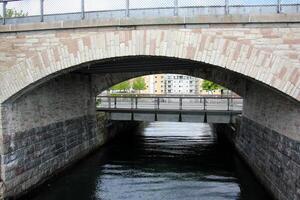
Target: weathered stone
[273, 163]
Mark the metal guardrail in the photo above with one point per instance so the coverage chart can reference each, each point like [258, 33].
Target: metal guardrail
[52, 10]
[171, 103]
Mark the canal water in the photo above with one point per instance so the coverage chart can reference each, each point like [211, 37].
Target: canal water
[160, 162]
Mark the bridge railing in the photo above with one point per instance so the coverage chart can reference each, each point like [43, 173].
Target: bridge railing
[171, 103]
[53, 10]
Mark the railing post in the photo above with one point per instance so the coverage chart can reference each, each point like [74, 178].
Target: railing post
[82, 10]
[226, 7]
[158, 103]
[115, 102]
[180, 103]
[42, 10]
[127, 14]
[204, 103]
[136, 102]
[278, 6]
[109, 102]
[131, 102]
[4, 4]
[175, 7]
[228, 103]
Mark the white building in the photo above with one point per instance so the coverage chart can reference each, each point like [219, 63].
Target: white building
[181, 84]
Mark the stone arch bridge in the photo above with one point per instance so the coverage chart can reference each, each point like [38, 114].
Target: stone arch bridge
[51, 72]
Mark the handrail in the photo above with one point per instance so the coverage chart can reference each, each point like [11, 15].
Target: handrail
[227, 5]
[160, 103]
[173, 97]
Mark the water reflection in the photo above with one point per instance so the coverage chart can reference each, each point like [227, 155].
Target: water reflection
[162, 161]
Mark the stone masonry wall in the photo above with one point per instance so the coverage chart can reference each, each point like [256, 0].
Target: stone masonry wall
[269, 140]
[46, 130]
[274, 158]
[18, 46]
[30, 57]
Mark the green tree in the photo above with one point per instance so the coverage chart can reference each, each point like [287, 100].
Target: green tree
[210, 86]
[124, 86]
[139, 84]
[12, 12]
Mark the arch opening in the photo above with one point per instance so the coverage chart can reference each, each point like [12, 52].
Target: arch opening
[59, 110]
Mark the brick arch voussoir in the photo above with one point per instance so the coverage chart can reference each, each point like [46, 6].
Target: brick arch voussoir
[273, 70]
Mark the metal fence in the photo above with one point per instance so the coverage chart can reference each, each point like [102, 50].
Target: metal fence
[171, 103]
[28, 11]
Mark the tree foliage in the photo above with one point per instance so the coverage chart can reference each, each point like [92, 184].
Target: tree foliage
[210, 86]
[12, 12]
[139, 84]
[124, 86]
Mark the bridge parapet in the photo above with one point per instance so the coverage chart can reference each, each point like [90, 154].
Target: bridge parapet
[46, 11]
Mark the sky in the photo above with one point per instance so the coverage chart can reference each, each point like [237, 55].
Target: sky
[65, 6]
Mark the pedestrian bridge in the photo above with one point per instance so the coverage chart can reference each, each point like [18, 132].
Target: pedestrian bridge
[172, 108]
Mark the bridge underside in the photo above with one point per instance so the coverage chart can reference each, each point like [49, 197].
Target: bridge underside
[223, 117]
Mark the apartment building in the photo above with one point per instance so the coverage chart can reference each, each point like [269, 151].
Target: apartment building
[181, 84]
[155, 84]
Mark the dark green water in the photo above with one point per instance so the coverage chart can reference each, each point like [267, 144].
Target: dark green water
[163, 161]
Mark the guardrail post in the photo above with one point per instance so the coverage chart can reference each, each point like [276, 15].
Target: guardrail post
[4, 4]
[127, 8]
[175, 7]
[42, 10]
[109, 102]
[204, 103]
[82, 10]
[226, 7]
[115, 102]
[228, 104]
[136, 102]
[278, 6]
[180, 103]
